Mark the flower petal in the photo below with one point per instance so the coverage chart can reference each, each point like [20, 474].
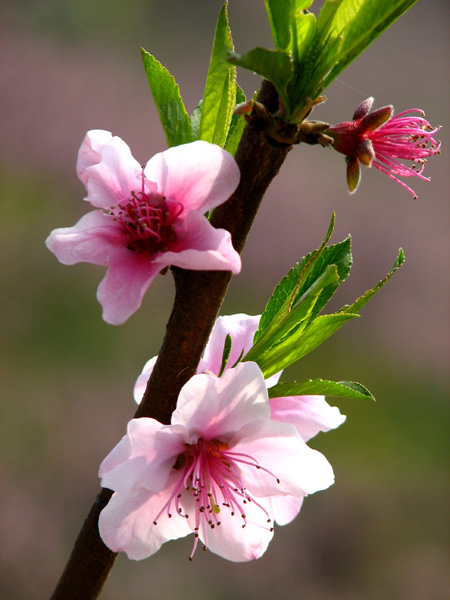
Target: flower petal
[241, 328]
[215, 408]
[309, 414]
[143, 458]
[198, 175]
[201, 247]
[90, 240]
[281, 455]
[126, 523]
[108, 170]
[285, 508]
[236, 542]
[141, 382]
[121, 291]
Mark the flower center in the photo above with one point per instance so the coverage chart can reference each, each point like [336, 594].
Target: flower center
[210, 473]
[147, 220]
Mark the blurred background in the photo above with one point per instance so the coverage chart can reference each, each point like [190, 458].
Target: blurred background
[382, 530]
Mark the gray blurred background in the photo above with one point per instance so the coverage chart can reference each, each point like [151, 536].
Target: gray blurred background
[381, 531]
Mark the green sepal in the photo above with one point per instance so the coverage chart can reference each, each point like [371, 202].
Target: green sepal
[226, 354]
[220, 88]
[321, 387]
[166, 94]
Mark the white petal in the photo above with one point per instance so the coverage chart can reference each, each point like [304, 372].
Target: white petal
[144, 457]
[285, 508]
[141, 382]
[199, 175]
[127, 523]
[241, 328]
[309, 414]
[237, 543]
[278, 448]
[108, 170]
[214, 408]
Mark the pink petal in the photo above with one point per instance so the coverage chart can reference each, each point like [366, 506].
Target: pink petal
[141, 382]
[90, 240]
[285, 508]
[237, 543]
[201, 247]
[214, 408]
[309, 414]
[283, 455]
[108, 170]
[241, 328]
[126, 523]
[144, 457]
[197, 175]
[121, 291]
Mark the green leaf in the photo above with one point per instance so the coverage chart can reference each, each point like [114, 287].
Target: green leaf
[321, 387]
[278, 340]
[359, 303]
[274, 65]
[296, 347]
[304, 26]
[344, 29]
[226, 354]
[220, 88]
[195, 119]
[301, 277]
[237, 126]
[278, 12]
[356, 24]
[166, 94]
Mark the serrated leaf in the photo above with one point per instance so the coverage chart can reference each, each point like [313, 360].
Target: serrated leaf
[274, 65]
[278, 341]
[166, 94]
[321, 387]
[345, 28]
[220, 88]
[301, 277]
[357, 23]
[237, 126]
[278, 12]
[359, 303]
[315, 333]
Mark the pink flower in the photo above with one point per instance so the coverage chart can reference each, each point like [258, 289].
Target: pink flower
[223, 470]
[379, 139]
[309, 414]
[148, 218]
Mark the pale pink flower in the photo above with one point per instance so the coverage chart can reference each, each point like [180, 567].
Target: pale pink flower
[223, 470]
[309, 414]
[149, 218]
[380, 139]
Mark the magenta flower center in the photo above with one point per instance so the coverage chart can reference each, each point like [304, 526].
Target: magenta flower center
[147, 220]
[210, 474]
